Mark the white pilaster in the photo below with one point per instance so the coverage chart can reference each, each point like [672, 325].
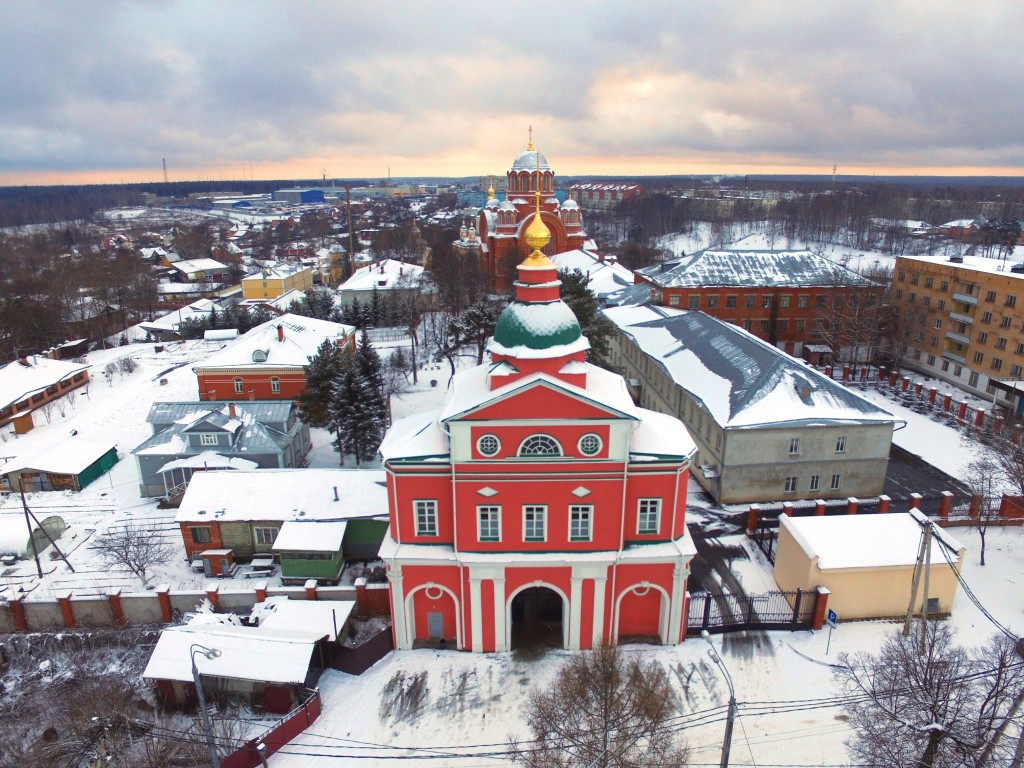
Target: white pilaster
[675, 616]
[398, 608]
[599, 584]
[475, 614]
[575, 611]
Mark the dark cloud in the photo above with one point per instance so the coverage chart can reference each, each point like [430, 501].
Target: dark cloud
[119, 85]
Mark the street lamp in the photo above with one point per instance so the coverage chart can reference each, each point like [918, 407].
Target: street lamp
[209, 653]
[727, 741]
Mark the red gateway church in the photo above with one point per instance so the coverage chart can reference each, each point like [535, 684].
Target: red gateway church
[539, 502]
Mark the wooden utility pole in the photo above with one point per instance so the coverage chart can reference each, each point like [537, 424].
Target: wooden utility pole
[913, 589]
[927, 573]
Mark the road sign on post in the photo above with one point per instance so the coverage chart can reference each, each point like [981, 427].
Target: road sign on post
[833, 618]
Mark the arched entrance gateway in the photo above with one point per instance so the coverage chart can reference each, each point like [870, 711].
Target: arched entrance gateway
[537, 618]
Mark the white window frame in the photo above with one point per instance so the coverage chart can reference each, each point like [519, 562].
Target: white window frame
[239, 386]
[201, 534]
[791, 482]
[493, 522]
[837, 481]
[588, 436]
[208, 438]
[424, 512]
[275, 385]
[488, 436]
[585, 528]
[261, 535]
[841, 444]
[815, 483]
[538, 436]
[530, 531]
[646, 511]
[794, 446]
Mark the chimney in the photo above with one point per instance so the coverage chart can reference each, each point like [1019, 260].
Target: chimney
[24, 360]
[600, 258]
[232, 412]
[280, 333]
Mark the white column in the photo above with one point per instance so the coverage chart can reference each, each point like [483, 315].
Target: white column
[575, 611]
[402, 637]
[675, 615]
[499, 615]
[475, 615]
[599, 611]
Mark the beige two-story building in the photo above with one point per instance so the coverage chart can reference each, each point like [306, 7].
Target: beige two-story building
[767, 426]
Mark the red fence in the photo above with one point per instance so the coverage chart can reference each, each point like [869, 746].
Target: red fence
[298, 720]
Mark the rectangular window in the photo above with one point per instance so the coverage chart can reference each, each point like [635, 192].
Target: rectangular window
[958, 370]
[265, 535]
[766, 302]
[794, 446]
[802, 301]
[426, 517]
[899, 293]
[801, 325]
[749, 300]
[535, 523]
[912, 297]
[990, 296]
[931, 358]
[945, 365]
[902, 276]
[765, 325]
[1011, 301]
[972, 380]
[712, 302]
[986, 317]
[928, 282]
[488, 523]
[580, 517]
[819, 300]
[1020, 348]
[238, 387]
[837, 480]
[1001, 342]
[1005, 322]
[926, 300]
[938, 324]
[979, 357]
[730, 302]
[782, 324]
[207, 439]
[944, 286]
[841, 444]
[996, 363]
[275, 385]
[784, 301]
[815, 480]
[791, 484]
[1015, 371]
[914, 278]
[693, 302]
[940, 304]
[673, 301]
[982, 338]
[648, 516]
[201, 535]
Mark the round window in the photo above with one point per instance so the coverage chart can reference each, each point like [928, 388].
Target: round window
[590, 444]
[488, 445]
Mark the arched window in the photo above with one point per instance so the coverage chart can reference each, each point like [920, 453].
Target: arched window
[275, 385]
[540, 445]
[238, 387]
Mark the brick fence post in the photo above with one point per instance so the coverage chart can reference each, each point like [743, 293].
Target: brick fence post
[974, 510]
[362, 609]
[819, 507]
[915, 500]
[213, 595]
[753, 518]
[261, 591]
[310, 587]
[946, 504]
[820, 608]
[788, 507]
[163, 594]
[116, 609]
[883, 504]
[64, 601]
[18, 614]
[852, 504]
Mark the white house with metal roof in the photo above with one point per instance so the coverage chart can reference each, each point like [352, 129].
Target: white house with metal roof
[767, 426]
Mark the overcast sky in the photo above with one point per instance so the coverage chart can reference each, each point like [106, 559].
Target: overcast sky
[102, 91]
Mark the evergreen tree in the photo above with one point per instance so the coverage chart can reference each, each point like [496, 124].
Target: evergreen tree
[375, 309]
[325, 369]
[475, 325]
[595, 326]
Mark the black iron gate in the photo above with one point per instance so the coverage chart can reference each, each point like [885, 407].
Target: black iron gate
[726, 612]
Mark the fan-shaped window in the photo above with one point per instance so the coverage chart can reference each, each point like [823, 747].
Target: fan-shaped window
[540, 445]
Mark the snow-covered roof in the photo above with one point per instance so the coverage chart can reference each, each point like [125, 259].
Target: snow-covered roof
[866, 541]
[659, 435]
[282, 302]
[310, 536]
[285, 494]
[605, 277]
[18, 381]
[318, 617]
[742, 380]
[208, 460]
[415, 437]
[999, 267]
[264, 411]
[762, 269]
[188, 266]
[249, 435]
[302, 337]
[68, 457]
[383, 276]
[172, 320]
[278, 272]
[246, 653]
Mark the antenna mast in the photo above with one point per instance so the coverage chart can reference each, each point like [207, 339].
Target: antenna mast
[164, 159]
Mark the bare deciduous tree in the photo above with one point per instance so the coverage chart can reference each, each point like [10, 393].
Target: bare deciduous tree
[949, 706]
[981, 476]
[133, 547]
[603, 710]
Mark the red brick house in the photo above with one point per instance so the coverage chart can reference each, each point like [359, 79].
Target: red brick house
[539, 501]
[268, 362]
[779, 296]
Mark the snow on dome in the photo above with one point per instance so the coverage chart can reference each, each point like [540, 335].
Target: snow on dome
[537, 326]
[506, 205]
[570, 204]
[528, 161]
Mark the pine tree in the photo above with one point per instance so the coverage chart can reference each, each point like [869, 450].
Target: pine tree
[475, 325]
[325, 369]
[595, 326]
